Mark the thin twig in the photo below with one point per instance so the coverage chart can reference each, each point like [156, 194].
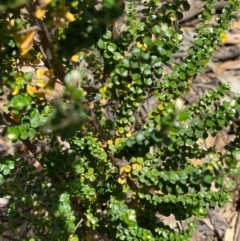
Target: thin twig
[206, 86]
[28, 30]
[79, 223]
[103, 138]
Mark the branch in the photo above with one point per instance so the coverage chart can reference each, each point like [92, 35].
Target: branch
[78, 225]
[45, 44]
[28, 30]
[103, 138]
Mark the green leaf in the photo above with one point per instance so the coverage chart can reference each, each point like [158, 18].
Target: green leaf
[139, 137]
[183, 116]
[190, 142]
[64, 198]
[31, 133]
[199, 134]
[169, 188]
[182, 75]
[117, 56]
[190, 132]
[19, 102]
[148, 81]
[180, 142]
[35, 113]
[142, 179]
[179, 190]
[101, 44]
[208, 178]
[6, 170]
[158, 72]
[156, 62]
[236, 155]
[34, 123]
[173, 177]
[136, 51]
[200, 213]
[1, 178]
[156, 29]
[210, 123]
[111, 47]
[169, 32]
[23, 135]
[107, 55]
[183, 177]
[107, 35]
[13, 133]
[146, 69]
[28, 76]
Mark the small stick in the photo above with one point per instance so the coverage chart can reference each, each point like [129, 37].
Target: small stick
[79, 223]
[35, 27]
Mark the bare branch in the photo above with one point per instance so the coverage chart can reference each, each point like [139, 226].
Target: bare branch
[79, 224]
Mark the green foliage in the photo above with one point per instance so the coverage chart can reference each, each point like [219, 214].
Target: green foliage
[120, 172]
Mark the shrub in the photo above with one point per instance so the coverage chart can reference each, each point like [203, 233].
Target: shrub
[121, 169]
